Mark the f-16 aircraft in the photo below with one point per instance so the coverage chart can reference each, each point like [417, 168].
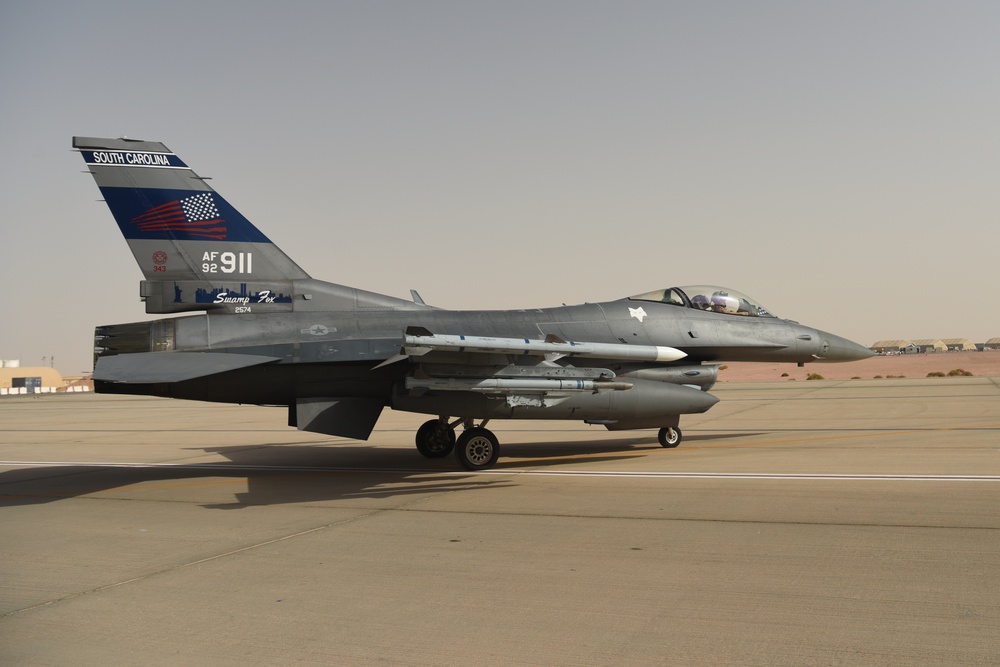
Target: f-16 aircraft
[336, 356]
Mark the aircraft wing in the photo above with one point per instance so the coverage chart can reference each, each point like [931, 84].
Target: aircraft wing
[149, 367]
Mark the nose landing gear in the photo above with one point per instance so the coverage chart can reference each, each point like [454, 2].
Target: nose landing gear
[669, 437]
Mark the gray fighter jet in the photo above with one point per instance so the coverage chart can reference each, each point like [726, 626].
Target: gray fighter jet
[335, 356]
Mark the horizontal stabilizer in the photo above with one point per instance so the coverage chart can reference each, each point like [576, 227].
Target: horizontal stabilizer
[146, 367]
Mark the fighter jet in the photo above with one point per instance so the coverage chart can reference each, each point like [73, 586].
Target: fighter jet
[335, 356]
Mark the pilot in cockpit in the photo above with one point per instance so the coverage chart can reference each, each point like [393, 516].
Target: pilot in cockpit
[723, 303]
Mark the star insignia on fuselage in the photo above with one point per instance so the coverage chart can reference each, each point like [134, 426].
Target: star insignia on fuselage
[637, 313]
[316, 330]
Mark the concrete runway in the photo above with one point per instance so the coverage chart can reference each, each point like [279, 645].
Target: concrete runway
[800, 523]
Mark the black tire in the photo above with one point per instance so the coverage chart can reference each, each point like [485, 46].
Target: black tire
[435, 439]
[669, 437]
[477, 449]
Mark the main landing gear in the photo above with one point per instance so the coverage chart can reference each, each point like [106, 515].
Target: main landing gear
[435, 439]
[476, 449]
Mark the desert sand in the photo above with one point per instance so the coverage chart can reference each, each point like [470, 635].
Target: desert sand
[900, 365]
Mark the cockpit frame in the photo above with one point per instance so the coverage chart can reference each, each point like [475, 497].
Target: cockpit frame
[710, 298]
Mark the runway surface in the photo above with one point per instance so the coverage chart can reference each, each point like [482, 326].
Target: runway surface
[799, 523]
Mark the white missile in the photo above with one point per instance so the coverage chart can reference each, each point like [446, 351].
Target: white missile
[416, 346]
[513, 385]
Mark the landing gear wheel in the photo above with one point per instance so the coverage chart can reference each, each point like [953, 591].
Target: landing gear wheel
[435, 439]
[669, 437]
[477, 449]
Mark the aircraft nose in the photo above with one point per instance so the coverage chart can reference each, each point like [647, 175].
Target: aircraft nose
[834, 348]
[700, 402]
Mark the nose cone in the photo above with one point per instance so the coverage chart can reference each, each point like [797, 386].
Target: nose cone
[834, 349]
[673, 399]
[699, 402]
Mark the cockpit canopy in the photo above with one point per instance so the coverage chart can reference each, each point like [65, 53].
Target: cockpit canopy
[707, 297]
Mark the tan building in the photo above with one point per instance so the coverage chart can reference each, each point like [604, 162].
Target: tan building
[893, 347]
[930, 345]
[29, 380]
[959, 344]
[992, 344]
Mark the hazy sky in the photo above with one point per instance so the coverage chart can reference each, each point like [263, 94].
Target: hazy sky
[839, 162]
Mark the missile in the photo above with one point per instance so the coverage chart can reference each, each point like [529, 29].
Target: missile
[552, 347]
[514, 385]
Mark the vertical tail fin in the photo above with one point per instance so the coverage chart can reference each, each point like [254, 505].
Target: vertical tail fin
[195, 250]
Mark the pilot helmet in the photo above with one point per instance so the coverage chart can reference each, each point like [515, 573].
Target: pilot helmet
[701, 301]
[725, 303]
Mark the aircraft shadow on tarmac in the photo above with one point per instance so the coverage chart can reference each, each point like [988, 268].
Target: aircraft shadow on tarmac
[264, 485]
[551, 451]
[284, 473]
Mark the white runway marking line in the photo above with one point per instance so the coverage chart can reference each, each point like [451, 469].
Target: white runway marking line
[754, 475]
[209, 467]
